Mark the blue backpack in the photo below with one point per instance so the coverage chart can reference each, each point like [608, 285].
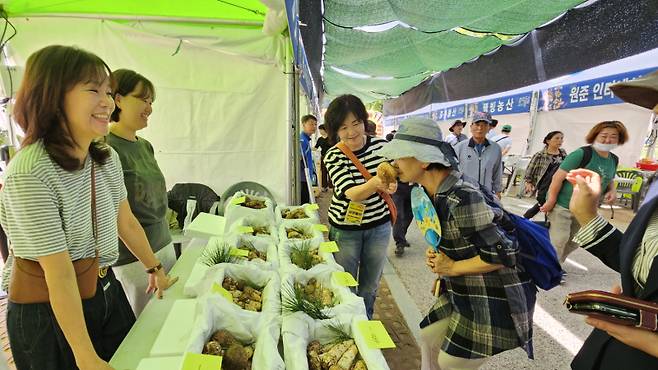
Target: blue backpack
[537, 255]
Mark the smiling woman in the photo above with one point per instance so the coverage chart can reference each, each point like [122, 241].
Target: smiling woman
[358, 213]
[80, 85]
[145, 183]
[63, 206]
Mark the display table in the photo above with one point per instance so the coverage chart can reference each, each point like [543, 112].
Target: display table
[137, 344]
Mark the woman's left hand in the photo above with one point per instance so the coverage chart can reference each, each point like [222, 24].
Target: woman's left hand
[159, 282]
[641, 339]
[442, 264]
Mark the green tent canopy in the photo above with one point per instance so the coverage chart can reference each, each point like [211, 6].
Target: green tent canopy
[244, 11]
[436, 35]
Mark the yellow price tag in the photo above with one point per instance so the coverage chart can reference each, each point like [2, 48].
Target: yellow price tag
[239, 252]
[240, 200]
[216, 288]
[329, 247]
[344, 278]
[375, 334]
[312, 207]
[245, 229]
[197, 361]
[320, 227]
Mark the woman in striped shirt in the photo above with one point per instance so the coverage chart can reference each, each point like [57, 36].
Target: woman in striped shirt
[55, 213]
[359, 216]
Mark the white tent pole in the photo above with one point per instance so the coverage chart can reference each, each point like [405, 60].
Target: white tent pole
[534, 112]
[294, 191]
[146, 18]
[650, 142]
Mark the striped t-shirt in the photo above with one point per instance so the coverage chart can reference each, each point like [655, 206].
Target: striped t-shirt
[344, 175]
[45, 209]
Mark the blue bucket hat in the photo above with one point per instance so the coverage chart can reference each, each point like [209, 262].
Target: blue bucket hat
[420, 138]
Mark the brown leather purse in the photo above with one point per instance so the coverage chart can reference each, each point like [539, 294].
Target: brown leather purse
[28, 282]
[614, 308]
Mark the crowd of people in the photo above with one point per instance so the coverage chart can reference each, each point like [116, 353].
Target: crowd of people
[485, 300]
[85, 194]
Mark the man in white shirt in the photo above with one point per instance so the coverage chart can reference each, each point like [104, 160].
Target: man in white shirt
[504, 140]
[492, 128]
[456, 135]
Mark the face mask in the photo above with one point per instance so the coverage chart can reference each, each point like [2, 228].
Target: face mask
[604, 147]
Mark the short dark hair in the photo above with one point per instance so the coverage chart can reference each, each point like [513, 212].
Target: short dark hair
[50, 73]
[550, 135]
[594, 132]
[308, 117]
[126, 82]
[338, 110]
[371, 127]
[321, 127]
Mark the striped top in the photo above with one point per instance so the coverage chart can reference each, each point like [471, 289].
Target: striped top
[644, 253]
[45, 209]
[344, 175]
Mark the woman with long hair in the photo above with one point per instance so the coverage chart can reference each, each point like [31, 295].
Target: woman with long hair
[63, 206]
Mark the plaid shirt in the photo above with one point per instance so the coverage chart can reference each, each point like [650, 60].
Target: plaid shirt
[539, 164]
[492, 312]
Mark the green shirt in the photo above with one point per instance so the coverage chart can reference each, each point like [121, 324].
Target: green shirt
[147, 192]
[603, 166]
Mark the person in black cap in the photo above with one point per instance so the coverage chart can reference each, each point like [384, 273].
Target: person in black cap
[632, 253]
[456, 135]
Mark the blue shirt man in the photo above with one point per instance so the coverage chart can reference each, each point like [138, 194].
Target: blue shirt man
[309, 125]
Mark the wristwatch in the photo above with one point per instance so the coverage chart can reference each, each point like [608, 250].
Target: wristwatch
[155, 269]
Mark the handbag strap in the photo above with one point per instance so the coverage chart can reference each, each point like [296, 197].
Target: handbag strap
[94, 217]
[366, 175]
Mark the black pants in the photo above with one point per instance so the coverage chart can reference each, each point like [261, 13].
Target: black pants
[37, 342]
[402, 199]
[304, 195]
[325, 182]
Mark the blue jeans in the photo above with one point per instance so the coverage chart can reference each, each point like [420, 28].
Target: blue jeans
[362, 254]
[37, 342]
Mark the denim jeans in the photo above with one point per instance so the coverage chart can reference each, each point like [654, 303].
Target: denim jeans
[362, 254]
[402, 199]
[37, 342]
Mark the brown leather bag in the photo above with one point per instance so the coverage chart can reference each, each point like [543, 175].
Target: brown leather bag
[614, 308]
[28, 282]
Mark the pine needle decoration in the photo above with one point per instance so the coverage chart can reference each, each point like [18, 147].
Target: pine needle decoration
[216, 255]
[294, 299]
[338, 331]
